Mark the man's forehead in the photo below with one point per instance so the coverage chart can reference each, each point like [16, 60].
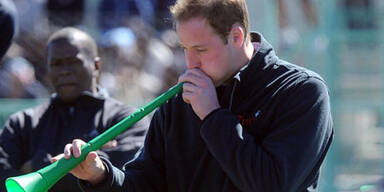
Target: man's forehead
[195, 32]
[70, 35]
[64, 50]
[64, 46]
[194, 45]
[195, 19]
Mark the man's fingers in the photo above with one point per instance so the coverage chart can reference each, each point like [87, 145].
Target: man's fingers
[76, 147]
[91, 156]
[73, 148]
[109, 145]
[67, 151]
[186, 97]
[192, 75]
[189, 87]
[56, 158]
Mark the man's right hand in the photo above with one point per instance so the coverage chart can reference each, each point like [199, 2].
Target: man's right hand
[91, 169]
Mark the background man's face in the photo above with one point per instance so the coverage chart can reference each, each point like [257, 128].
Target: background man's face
[70, 70]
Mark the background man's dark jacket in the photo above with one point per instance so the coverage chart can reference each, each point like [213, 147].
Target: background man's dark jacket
[38, 133]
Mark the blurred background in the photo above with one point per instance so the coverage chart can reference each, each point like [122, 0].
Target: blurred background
[341, 40]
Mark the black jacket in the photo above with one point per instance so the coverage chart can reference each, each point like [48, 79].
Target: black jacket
[38, 133]
[7, 25]
[271, 134]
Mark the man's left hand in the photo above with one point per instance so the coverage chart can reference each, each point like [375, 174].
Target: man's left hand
[199, 91]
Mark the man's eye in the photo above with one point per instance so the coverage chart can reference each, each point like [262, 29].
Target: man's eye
[181, 47]
[201, 50]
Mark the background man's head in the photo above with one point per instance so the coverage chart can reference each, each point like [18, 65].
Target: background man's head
[7, 25]
[73, 63]
[220, 14]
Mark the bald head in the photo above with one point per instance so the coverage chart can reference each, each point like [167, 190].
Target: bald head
[76, 38]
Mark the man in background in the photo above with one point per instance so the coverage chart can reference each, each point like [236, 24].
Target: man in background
[79, 108]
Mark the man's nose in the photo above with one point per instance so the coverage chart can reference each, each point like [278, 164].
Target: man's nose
[64, 70]
[192, 61]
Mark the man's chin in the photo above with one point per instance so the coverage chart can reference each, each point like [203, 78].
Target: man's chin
[67, 98]
[68, 94]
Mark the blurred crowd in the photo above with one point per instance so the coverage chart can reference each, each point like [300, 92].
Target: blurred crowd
[300, 16]
[138, 46]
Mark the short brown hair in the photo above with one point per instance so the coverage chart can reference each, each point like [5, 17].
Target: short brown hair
[220, 14]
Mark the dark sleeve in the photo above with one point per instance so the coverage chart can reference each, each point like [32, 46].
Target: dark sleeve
[7, 25]
[11, 150]
[289, 154]
[144, 173]
[128, 142]
[113, 182]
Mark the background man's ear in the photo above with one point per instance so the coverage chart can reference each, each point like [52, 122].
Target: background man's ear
[97, 63]
[97, 71]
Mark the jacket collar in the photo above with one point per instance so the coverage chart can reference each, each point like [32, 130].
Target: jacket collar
[85, 99]
[264, 55]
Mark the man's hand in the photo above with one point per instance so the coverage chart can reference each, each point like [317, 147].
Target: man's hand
[199, 91]
[91, 169]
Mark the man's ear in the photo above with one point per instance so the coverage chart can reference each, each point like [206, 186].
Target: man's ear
[237, 35]
[97, 63]
[97, 70]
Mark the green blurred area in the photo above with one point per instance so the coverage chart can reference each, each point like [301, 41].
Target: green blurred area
[10, 106]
